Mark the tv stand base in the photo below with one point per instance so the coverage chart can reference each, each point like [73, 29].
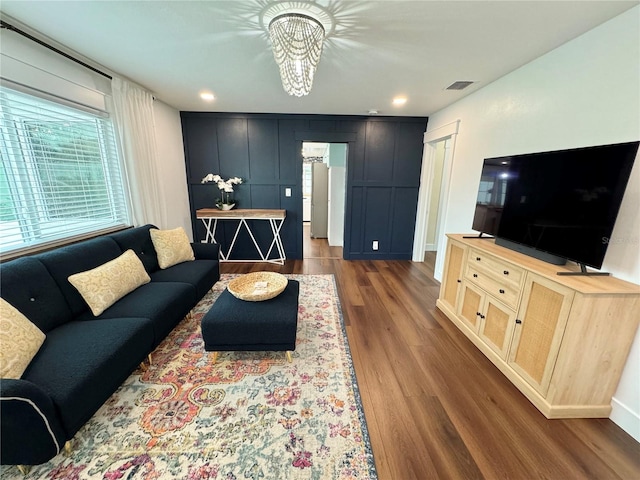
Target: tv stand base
[583, 272]
[478, 236]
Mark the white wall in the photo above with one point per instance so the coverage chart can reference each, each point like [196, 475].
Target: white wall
[584, 93]
[337, 189]
[337, 193]
[171, 166]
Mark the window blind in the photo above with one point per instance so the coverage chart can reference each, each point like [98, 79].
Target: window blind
[60, 176]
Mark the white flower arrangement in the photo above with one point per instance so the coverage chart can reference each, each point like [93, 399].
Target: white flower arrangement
[225, 186]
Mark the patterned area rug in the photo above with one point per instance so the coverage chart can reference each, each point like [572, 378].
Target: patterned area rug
[251, 415]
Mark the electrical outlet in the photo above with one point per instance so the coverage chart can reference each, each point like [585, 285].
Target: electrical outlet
[375, 245]
[287, 192]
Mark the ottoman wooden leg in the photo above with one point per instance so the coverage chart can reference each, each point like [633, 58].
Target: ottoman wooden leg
[289, 356]
[24, 469]
[215, 356]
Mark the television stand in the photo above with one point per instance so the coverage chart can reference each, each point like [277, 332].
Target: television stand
[562, 341]
[583, 272]
[478, 236]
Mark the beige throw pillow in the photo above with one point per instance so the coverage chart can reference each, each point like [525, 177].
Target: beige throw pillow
[20, 340]
[172, 246]
[103, 286]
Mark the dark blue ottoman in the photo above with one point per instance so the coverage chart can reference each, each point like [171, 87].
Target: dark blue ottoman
[235, 325]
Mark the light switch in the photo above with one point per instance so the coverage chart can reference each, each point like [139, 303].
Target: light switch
[287, 192]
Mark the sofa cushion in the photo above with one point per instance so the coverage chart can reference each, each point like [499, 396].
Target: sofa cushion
[164, 303]
[202, 274]
[66, 261]
[172, 246]
[81, 364]
[27, 285]
[139, 240]
[20, 340]
[104, 285]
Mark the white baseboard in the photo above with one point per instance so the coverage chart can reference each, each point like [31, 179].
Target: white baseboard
[625, 418]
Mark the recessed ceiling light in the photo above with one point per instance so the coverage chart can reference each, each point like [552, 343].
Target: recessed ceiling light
[398, 101]
[208, 96]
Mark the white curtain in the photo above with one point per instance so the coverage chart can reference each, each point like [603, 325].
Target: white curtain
[133, 111]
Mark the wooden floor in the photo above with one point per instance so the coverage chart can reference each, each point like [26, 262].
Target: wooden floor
[435, 406]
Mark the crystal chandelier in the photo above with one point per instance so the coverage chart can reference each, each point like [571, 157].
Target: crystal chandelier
[296, 40]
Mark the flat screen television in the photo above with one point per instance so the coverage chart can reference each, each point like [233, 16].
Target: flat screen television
[491, 195]
[556, 206]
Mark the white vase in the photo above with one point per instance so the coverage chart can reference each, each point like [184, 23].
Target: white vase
[226, 206]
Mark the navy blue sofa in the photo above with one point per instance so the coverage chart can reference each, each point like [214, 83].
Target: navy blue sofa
[84, 358]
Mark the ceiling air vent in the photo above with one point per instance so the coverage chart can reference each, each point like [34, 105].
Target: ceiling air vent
[458, 85]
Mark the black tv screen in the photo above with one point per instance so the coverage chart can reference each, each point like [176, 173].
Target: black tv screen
[491, 195]
[562, 203]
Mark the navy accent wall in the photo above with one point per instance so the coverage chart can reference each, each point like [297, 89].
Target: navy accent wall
[384, 160]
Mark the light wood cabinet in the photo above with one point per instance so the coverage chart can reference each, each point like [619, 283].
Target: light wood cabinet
[563, 341]
[542, 318]
[452, 278]
[469, 306]
[496, 329]
[491, 320]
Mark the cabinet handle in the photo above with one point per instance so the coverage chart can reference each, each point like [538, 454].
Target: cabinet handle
[501, 291]
[518, 321]
[482, 316]
[459, 281]
[475, 275]
[478, 314]
[506, 272]
[477, 259]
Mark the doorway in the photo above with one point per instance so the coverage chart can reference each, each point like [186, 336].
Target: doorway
[433, 215]
[324, 192]
[437, 161]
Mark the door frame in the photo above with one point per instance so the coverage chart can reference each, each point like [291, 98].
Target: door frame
[431, 138]
[350, 139]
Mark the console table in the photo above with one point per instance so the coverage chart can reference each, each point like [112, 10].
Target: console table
[211, 216]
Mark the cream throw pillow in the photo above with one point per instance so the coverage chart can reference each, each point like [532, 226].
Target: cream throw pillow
[20, 340]
[172, 246]
[103, 286]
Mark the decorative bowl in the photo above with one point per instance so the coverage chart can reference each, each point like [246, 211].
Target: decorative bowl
[258, 286]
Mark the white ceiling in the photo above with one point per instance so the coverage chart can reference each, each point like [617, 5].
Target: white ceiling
[376, 50]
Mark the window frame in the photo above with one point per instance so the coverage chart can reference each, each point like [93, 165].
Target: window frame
[18, 153]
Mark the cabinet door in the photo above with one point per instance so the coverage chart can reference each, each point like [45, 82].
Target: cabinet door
[496, 327]
[470, 306]
[452, 274]
[542, 317]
